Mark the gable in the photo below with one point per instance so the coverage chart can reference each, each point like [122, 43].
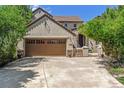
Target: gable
[39, 12]
[45, 26]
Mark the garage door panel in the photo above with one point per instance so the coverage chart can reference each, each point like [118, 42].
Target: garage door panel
[48, 47]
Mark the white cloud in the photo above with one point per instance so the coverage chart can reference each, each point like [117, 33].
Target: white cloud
[48, 9]
[34, 7]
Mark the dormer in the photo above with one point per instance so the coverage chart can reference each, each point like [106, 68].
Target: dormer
[39, 12]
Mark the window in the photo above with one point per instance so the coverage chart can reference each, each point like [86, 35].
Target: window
[56, 42]
[65, 25]
[75, 25]
[51, 41]
[30, 41]
[37, 41]
[40, 42]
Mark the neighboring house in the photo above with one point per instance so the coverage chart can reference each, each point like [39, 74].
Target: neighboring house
[50, 35]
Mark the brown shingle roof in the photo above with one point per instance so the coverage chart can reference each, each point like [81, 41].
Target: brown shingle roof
[67, 18]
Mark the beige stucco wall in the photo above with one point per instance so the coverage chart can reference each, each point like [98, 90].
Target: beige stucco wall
[70, 26]
[37, 14]
[47, 27]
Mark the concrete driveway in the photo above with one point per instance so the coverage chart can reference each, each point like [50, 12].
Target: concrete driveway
[57, 72]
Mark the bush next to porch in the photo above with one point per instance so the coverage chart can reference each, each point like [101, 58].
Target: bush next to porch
[13, 22]
[108, 29]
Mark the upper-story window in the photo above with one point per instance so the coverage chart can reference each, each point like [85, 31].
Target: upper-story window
[75, 25]
[65, 25]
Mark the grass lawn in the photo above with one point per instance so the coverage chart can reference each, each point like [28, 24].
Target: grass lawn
[120, 79]
[116, 71]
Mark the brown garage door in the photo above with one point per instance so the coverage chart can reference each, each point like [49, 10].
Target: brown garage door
[45, 47]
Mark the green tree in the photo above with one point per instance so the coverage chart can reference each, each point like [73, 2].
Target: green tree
[108, 29]
[13, 26]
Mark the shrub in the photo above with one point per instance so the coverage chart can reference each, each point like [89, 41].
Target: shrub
[109, 30]
[13, 26]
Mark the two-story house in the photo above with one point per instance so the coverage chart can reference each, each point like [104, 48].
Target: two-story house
[50, 35]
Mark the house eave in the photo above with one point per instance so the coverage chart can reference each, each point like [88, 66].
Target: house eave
[46, 37]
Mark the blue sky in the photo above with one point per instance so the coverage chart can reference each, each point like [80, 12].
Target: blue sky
[86, 12]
